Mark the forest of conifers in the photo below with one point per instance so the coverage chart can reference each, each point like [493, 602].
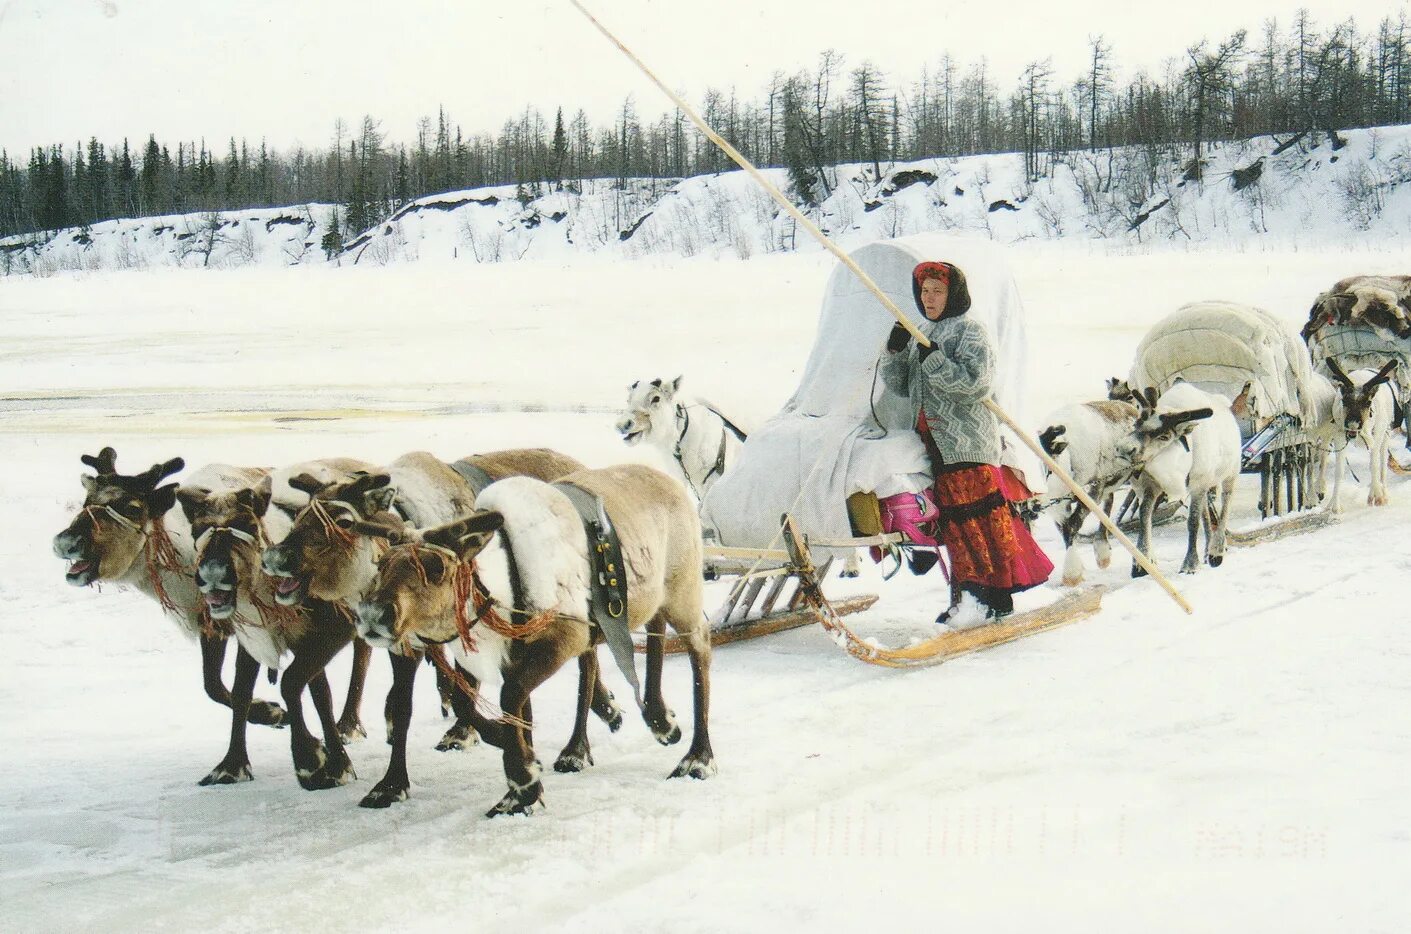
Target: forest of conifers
[1284, 79]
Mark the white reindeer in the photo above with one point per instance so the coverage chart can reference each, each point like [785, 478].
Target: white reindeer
[1093, 442]
[692, 434]
[1190, 450]
[1361, 408]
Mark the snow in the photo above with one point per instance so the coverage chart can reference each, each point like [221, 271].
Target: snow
[1141, 770]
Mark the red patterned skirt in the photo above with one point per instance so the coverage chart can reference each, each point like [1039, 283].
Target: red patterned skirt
[987, 543]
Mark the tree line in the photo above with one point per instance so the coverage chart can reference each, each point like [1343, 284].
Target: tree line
[1283, 80]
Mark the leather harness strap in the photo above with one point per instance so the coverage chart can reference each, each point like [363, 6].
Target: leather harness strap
[477, 478]
[607, 605]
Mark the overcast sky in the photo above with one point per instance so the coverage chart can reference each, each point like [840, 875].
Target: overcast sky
[284, 70]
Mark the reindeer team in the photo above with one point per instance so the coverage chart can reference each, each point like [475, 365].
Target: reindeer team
[489, 558]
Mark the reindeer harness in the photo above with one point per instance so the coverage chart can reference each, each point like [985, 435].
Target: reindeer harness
[683, 419]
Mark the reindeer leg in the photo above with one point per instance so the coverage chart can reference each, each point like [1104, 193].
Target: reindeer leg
[330, 634]
[660, 719]
[212, 659]
[338, 769]
[462, 733]
[604, 705]
[447, 690]
[699, 761]
[576, 756]
[851, 565]
[235, 767]
[1194, 514]
[1072, 558]
[1144, 536]
[539, 660]
[350, 723]
[1102, 548]
[395, 784]
[1216, 555]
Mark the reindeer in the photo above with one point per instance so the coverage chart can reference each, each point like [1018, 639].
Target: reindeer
[231, 529]
[1093, 442]
[332, 550]
[1189, 450]
[695, 436]
[129, 531]
[1363, 411]
[525, 552]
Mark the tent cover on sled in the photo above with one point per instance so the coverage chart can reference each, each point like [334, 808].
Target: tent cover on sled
[843, 431]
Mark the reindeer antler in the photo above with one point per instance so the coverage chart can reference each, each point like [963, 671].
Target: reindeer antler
[1337, 372]
[106, 462]
[158, 472]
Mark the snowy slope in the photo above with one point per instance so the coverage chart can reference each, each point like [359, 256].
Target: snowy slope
[1314, 192]
[1239, 769]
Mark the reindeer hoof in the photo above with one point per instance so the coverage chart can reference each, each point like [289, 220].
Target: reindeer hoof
[458, 739]
[264, 713]
[524, 802]
[1071, 581]
[1215, 560]
[352, 731]
[224, 774]
[384, 795]
[695, 766]
[609, 713]
[849, 574]
[664, 728]
[327, 777]
[1138, 571]
[573, 760]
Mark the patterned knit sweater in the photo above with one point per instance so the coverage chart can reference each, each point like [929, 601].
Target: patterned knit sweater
[951, 384]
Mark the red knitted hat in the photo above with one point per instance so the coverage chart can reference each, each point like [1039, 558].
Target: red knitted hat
[924, 271]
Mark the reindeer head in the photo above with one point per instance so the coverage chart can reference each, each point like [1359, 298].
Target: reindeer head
[1157, 431]
[107, 535]
[331, 550]
[422, 583]
[228, 528]
[1357, 399]
[1119, 390]
[650, 409]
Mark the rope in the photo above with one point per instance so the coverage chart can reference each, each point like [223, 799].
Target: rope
[487, 709]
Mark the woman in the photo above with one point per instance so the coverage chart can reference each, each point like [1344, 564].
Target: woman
[993, 556]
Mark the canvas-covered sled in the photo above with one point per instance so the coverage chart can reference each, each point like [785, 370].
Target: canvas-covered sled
[776, 518]
[1222, 348]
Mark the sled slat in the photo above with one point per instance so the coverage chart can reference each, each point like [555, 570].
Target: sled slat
[764, 626]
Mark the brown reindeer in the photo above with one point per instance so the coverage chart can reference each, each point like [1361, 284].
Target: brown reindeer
[510, 583]
[129, 531]
[1382, 303]
[331, 553]
[231, 528]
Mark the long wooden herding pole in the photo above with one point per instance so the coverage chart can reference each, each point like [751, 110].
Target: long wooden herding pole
[886, 301]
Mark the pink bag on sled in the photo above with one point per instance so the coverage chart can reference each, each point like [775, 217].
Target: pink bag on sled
[914, 515]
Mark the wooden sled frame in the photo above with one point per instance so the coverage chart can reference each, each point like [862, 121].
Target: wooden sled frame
[768, 572]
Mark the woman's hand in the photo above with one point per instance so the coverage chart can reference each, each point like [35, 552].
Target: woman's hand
[898, 338]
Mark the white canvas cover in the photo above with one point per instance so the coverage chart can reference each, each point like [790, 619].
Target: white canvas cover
[1219, 346]
[825, 444]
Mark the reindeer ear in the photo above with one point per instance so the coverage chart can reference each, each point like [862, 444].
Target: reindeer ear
[307, 483]
[676, 385]
[469, 535]
[162, 499]
[263, 491]
[191, 501]
[379, 500]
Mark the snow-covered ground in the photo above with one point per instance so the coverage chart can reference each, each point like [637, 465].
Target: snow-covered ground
[1240, 769]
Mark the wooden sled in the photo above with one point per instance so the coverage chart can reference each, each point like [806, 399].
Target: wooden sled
[1273, 531]
[768, 594]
